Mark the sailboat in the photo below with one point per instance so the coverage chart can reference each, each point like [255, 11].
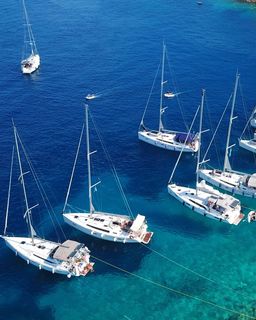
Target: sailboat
[104, 225]
[227, 179]
[162, 138]
[204, 199]
[69, 258]
[31, 59]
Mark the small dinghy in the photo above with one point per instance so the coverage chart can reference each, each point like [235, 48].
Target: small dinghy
[252, 216]
[169, 94]
[91, 96]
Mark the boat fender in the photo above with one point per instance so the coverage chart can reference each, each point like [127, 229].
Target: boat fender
[27, 261]
[16, 253]
[193, 208]
[183, 202]
[102, 235]
[40, 267]
[219, 185]
[115, 239]
[204, 214]
[220, 219]
[233, 190]
[53, 270]
[69, 275]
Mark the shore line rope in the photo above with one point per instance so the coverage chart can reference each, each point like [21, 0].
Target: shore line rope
[213, 304]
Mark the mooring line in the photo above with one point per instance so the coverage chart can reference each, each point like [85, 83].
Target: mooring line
[174, 290]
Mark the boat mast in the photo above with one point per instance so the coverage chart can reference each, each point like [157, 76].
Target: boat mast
[91, 207]
[161, 94]
[226, 159]
[200, 137]
[30, 34]
[21, 178]
[9, 193]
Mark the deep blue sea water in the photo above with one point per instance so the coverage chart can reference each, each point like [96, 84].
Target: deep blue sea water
[115, 47]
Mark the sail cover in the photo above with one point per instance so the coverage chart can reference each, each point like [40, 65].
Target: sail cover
[184, 137]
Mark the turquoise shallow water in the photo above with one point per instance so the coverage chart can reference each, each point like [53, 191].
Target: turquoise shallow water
[100, 45]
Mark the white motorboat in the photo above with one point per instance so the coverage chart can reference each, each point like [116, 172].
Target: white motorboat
[227, 179]
[169, 94]
[70, 258]
[91, 96]
[31, 58]
[163, 138]
[204, 199]
[104, 225]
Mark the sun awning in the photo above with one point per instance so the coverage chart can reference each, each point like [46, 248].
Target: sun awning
[185, 137]
[137, 223]
[66, 250]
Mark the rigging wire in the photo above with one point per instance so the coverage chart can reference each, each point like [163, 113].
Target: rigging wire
[9, 193]
[73, 169]
[151, 90]
[216, 130]
[112, 167]
[182, 293]
[180, 154]
[175, 87]
[246, 117]
[42, 192]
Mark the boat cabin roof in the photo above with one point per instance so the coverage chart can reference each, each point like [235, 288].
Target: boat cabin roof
[137, 223]
[66, 250]
[224, 203]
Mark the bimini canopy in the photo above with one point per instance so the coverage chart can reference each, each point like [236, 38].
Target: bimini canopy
[137, 223]
[66, 250]
[184, 137]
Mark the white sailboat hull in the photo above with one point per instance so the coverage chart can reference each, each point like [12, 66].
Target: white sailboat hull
[166, 140]
[108, 229]
[229, 181]
[249, 145]
[30, 64]
[38, 254]
[197, 202]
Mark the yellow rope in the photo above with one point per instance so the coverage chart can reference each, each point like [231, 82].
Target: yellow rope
[174, 290]
[192, 271]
